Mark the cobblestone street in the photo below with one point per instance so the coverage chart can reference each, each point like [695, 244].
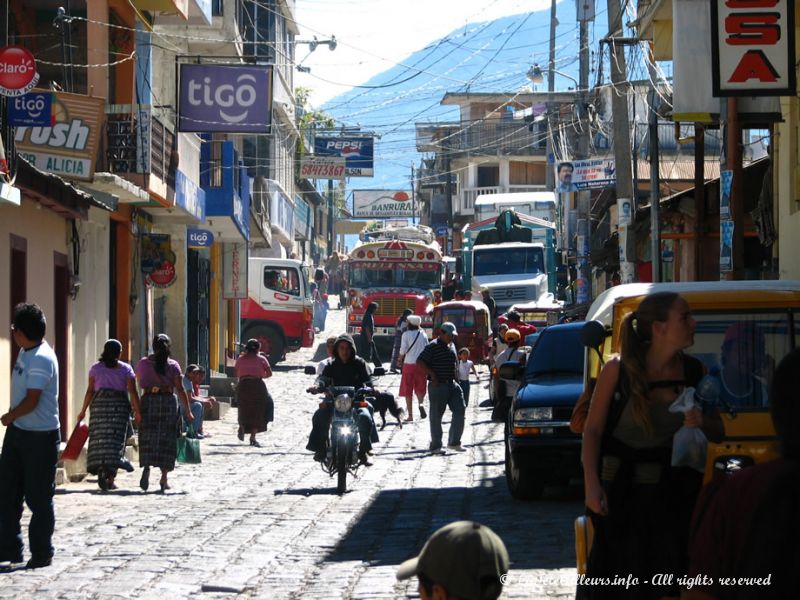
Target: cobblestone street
[266, 522]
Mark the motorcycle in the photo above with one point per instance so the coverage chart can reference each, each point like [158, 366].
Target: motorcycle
[341, 456]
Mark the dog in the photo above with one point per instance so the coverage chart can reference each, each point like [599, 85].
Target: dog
[386, 402]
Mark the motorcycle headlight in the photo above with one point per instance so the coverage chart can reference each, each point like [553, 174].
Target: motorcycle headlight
[544, 413]
[343, 403]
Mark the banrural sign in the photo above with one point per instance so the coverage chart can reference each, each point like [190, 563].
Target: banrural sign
[225, 98]
[380, 204]
[752, 47]
[69, 147]
[18, 73]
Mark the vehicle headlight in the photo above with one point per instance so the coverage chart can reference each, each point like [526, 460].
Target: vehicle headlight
[343, 403]
[544, 413]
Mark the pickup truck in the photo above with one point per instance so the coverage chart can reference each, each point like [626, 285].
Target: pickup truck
[539, 447]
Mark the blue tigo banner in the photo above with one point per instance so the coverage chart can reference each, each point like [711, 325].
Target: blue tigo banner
[225, 98]
[34, 109]
[199, 238]
[357, 152]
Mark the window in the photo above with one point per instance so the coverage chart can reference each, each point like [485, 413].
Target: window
[286, 280]
[504, 261]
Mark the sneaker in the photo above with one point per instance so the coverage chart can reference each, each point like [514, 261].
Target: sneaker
[422, 412]
[438, 451]
[456, 448]
[37, 562]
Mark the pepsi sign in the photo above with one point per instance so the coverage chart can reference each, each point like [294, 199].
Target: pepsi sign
[199, 238]
[34, 109]
[357, 153]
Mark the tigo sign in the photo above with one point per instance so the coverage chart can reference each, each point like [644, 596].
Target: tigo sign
[18, 73]
[378, 204]
[199, 238]
[34, 109]
[356, 151]
[227, 98]
[753, 47]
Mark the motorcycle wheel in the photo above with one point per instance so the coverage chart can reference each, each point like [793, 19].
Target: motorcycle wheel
[341, 471]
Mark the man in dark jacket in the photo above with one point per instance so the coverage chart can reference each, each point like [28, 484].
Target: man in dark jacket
[347, 369]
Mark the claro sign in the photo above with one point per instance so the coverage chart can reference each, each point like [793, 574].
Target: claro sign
[69, 147]
[225, 98]
[753, 47]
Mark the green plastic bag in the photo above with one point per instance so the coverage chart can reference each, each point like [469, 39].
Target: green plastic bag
[188, 448]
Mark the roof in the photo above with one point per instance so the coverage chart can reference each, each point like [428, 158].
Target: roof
[602, 307]
[279, 262]
[514, 198]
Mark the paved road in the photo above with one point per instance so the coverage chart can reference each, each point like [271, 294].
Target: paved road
[267, 523]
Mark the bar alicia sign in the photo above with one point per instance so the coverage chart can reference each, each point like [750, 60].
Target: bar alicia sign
[753, 47]
[69, 147]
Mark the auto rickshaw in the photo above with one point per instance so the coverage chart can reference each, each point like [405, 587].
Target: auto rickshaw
[471, 319]
[768, 310]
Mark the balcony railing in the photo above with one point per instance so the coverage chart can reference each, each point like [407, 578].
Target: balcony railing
[137, 143]
[468, 196]
[509, 138]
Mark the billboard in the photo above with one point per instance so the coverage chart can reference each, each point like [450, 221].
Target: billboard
[357, 151]
[575, 175]
[380, 204]
[322, 167]
[752, 47]
[225, 98]
[68, 148]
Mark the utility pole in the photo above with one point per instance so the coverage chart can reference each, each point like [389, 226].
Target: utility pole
[413, 197]
[652, 126]
[584, 287]
[622, 134]
[550, 175]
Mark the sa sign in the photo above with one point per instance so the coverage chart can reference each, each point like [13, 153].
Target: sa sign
[199, 238]
[18, 73]
[753, 47]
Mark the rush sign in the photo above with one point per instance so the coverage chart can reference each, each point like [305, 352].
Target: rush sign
[753, 47]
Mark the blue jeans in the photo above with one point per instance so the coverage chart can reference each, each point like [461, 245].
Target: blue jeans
[197, 411]
[28, 472]
[464, 390]
[441, 396]
[321, 422]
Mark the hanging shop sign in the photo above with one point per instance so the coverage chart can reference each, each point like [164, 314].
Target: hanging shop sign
[356, 151]
[322, 167]
[68, 148]
[18, 73]
[379, 204]
[752, 48]
[234, 271]
[199, 238]
[225, 98]
[158, 260]
[34, 109]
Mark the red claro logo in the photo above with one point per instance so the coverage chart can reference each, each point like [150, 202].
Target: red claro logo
[18, 73]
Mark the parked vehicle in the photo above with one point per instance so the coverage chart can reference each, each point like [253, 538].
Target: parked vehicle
[341, 456]
[540, 448]
[278, 311]
[472, 322]
[719, 307]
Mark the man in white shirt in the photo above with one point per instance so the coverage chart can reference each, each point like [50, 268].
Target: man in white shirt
[412, 380]
[330, 344]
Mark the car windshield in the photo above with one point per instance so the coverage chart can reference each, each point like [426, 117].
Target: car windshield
[395, 275]
[502, 261]
[556, 351]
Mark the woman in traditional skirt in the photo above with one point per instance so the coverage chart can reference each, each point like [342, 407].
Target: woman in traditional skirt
[110, 383]
[160, 378]
[255, 403]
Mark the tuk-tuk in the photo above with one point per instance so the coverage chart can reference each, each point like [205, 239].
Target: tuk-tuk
[538, 314]
[471, 319]
[767, 310]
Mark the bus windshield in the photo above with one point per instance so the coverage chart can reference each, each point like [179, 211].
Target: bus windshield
[396, 275]
[506, 261]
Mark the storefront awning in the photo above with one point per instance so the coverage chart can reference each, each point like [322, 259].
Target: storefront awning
[52, 192]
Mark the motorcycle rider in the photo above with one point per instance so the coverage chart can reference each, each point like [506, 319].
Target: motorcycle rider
[346, 369]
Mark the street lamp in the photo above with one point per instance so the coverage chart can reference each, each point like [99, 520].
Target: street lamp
[536, 75]
[312, 45]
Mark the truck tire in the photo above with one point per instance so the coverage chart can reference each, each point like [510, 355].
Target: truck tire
[523, 484]
[271, 342]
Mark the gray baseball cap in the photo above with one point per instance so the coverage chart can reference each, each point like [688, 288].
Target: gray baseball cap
[448, 327]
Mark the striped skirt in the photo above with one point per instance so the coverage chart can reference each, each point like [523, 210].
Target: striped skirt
[108, 430]
[253, 400]
[158, 433]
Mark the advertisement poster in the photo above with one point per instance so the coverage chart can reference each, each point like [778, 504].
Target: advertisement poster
[725, 246]
[379, 204]
[725, 194]
[357, 153]
[158, 260]
[575, 175]
[234, 271]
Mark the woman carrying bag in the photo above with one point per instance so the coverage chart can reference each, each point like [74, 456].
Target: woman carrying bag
[111, 381]
[161, 379]
[255, 404]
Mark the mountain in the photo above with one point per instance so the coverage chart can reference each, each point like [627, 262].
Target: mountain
[491, 56]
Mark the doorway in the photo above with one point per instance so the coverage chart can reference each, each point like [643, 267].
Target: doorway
[18, 281]
[61, 337]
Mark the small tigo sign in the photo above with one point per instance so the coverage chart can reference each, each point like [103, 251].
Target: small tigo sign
[199, 238]
[34, 109]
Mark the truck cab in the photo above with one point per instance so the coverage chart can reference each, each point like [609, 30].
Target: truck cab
[278, 311]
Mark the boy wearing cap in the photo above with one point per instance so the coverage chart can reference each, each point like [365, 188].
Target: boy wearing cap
[464, 560]
[439, 362]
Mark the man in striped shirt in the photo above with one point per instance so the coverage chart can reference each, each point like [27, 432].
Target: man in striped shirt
[439, 362]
